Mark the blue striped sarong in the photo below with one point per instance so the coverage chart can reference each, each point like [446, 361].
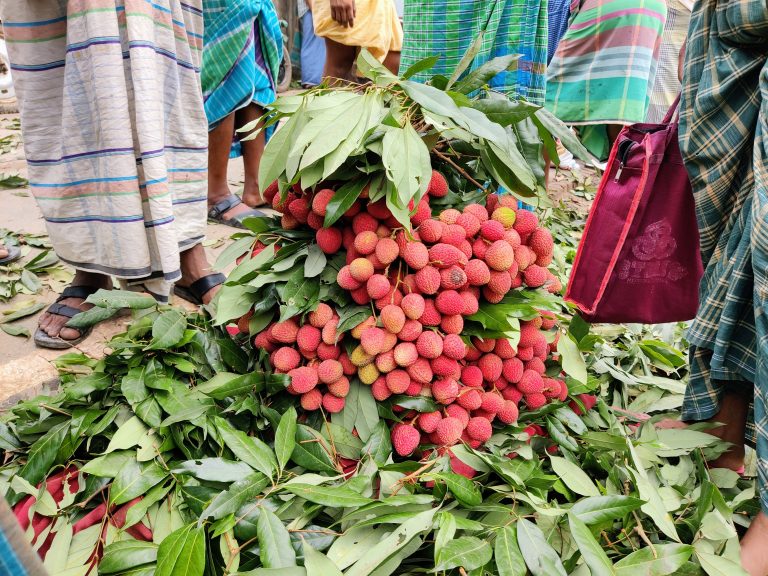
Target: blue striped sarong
[243, 47]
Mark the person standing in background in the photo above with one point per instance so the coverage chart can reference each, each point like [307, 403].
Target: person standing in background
[243, 47]
[115, 138]
[348, 25]
[448, 27]
[666, 87]
[724, 144]
[601, 76]
[312, 47]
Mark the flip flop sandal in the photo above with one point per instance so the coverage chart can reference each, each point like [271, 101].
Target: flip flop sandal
[194, 292]
[216, 214]
[14, 253]
[42, 338]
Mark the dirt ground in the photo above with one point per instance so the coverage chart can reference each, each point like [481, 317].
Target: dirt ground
[26, 369]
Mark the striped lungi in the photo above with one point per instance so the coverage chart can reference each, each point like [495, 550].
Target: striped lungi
[241, 58]
[724, 142]
[114, 129]
[605, 65]
[448, 27]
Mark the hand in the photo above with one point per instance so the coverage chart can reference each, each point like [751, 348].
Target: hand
[343, 11]
[309, 4]
[681, 61]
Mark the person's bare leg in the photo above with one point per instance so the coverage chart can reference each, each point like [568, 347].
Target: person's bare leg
[219, 145]
[195, 265]
[734, 409]
[339, 60]
[53, 324]
[252, 151]
[754, 552]
[392, 62]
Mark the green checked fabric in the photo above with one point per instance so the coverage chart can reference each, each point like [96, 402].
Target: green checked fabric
[448, 28]
[724, 141]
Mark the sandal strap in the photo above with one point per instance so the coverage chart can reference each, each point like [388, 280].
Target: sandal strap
[198, 288]
[63, 310]
[81, 292]
[224, 205]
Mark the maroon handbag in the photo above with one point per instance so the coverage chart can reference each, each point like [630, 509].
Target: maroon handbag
[639, 257]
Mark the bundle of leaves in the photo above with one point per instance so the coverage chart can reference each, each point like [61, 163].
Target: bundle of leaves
[172, 456]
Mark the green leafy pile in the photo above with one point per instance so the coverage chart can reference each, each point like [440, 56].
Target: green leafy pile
[231, 481]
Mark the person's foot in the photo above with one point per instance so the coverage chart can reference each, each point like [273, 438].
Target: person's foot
[54, 324]
[754, 553]
[194, 265]
[252, 197]
[240, 208]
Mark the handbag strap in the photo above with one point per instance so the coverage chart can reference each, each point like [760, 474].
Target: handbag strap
[672, 112]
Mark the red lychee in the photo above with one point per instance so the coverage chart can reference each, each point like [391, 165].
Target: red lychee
[405, 439]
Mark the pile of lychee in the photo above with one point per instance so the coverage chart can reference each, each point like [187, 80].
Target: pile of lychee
[312, 355]
[421, 285]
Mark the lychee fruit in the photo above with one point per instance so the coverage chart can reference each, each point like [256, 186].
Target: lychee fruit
[472, 376]
[492, 230]
[385, 362]
[387, 251]
[361, 269]
[444, 256]
[405, 439]
[512, 370]
[499, 255]
[398, 381]
[535, 276]
[477, 210]
[491, 366]
[411, 331]
[438, 185]
[329, 240]
[416, 255]
[345, 279]
[303, 379]
[429, 345]
[535, 401]
[333, 404]
[428, 280]
[312, 400]
[470, 223]
[421, 371]
[329, 334]
[431, 316]
[526, 223]
[413, 305]
[505, 216]
[321, 200]
[453, 324]
[377, 286]
[477, 272]
[428, 421]
[328, 351]
[461, 414]
[285, 331]
[454, 347]
[445, 391]
[431, 231]
[449, 216]
[449, 302]
[368, 374]
[531, 383]
[491, 402]
[470, 399]
[405, 354]
[508, 412]
[339, 388]
[365, 242]
[285, 359]
[379, 389]
[479, 429]
[471, 304]
[330, 371]
[448, 431]
[364, 222]
[444, 366]
[393, 318]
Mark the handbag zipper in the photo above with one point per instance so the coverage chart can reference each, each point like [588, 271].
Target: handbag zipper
[625, 146]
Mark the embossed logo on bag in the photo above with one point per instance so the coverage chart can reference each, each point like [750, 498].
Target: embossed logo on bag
[651, 260]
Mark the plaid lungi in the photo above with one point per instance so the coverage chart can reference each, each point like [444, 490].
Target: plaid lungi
[448, 28]
[724, 141]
